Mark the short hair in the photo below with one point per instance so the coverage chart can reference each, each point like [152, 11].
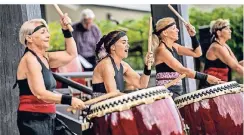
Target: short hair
[218, 24]
[87, 13]
[28, 27]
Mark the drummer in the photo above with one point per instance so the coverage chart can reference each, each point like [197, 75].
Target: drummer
[111, 71]
[219, 55]
[166, 52]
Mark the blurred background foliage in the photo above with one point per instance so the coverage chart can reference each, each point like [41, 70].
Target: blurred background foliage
[235, 15]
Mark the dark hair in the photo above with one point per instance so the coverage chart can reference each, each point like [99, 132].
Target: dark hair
[108, 40]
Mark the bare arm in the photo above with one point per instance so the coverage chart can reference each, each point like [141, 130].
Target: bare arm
[197, 52]
[232, 54]
[37, 86]
[133, 78]
[108, 78]
[61, 58]
[241, 63]
[234, 57]
[36, 82]
[188, 51]
[173, 63]
[225, 57]
[164, 55]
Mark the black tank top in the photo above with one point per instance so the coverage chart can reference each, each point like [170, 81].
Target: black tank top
[215, 63]
[165, 74]
[163, 67]
[49, 81]
[99, 87]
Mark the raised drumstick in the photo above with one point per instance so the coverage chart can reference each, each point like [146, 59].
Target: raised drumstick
[177, 14]
[175, 81]
[61, 14]
[150, 40]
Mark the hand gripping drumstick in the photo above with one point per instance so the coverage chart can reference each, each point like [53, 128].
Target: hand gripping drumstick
[175, 81]
[62, 14]
[100, 98]
[180, 17]
[177, 14]
[149, 41]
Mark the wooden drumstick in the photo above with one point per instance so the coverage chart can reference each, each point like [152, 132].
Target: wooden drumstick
[149, 41]
[100, 98]
[177, 14]
[62, 14]
[103, 97]
[175, 81]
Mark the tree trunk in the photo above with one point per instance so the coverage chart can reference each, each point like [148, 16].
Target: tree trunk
[11, 19]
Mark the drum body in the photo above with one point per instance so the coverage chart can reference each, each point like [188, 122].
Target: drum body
[220, 114]
[153, 117]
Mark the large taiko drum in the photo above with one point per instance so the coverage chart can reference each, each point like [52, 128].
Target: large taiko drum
[216, 110]
[145, 112]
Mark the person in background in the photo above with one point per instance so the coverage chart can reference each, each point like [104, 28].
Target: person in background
[86, 34]
[219, 55]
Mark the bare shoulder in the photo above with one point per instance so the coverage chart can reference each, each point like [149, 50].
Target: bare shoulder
[28, 62]
[228, 46]
[31, 61]
[160, 48]
[104, 65]
[215, 47]
[161, 51]
[176, 46]
[125, 65]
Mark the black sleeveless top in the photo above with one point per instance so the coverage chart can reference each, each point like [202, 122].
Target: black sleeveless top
[164, 73]
[163, 67]
[216, 68]
[100, 88]
[49, 81]
[215, 63]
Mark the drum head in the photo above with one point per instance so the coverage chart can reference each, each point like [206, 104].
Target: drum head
[210, 92]
[125, 102]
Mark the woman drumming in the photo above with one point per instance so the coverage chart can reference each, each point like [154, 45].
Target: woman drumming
[166, 51]
[37, 111]
[111, 71]
[219, 55]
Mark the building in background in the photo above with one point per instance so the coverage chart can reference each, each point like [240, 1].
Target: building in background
[117, 12]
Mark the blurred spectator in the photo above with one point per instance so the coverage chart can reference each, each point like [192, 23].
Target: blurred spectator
[86, 35]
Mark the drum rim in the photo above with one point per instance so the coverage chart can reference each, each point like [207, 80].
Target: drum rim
[179, 103]
[156, 93]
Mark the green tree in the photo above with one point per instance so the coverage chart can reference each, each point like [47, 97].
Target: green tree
[235, 15]
[56, 38]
